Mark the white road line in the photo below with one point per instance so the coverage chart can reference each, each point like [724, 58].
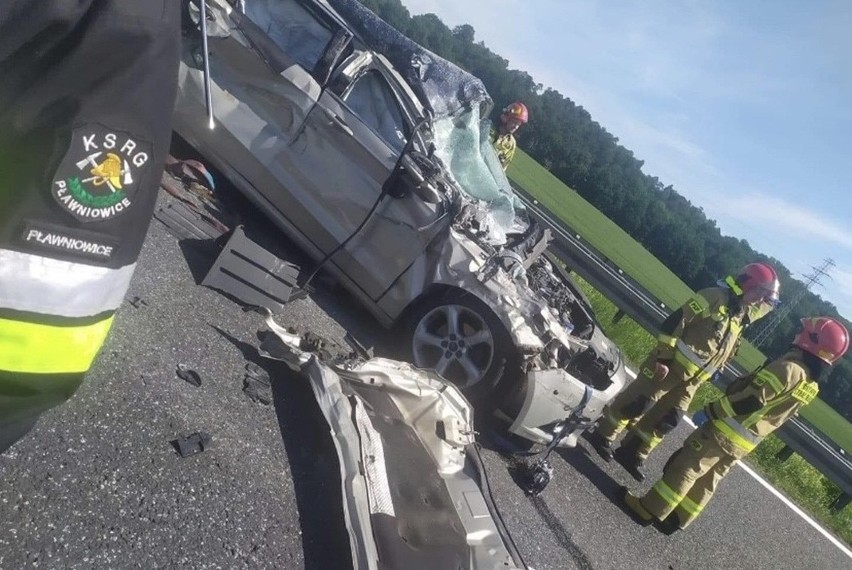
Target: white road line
[787, 502]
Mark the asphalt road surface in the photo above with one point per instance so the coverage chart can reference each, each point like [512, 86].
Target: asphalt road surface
[98, 483]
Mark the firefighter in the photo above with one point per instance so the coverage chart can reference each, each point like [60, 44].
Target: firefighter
[752, 408]
[85, 123]
[695, 342]
[503, 140]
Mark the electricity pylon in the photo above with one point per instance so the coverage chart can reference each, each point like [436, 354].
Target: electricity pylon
[787, 306]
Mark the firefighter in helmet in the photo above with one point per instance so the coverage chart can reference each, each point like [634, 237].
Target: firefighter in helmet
[730, 428]
[695, 342]
[512, 117]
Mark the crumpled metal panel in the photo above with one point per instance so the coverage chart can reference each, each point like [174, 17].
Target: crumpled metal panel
[442, 86]
[375, 469]
[415, 503]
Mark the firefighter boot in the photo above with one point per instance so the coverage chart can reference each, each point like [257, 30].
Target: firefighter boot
[669, 525]
[600, 444]
[635, 508]
[627, 455]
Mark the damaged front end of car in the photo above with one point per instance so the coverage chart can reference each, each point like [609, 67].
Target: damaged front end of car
[492, 249]
[414, 490]
[563, 348]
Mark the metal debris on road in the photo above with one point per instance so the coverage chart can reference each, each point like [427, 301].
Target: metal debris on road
[192, 444]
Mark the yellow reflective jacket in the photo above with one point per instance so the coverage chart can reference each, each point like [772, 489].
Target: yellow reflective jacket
[756, 405]
[708, 333]
[505, 146]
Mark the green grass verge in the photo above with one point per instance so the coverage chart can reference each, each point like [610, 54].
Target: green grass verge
[601, 232]
[637, 262]
[796, 478]
[829, 422]
[803, 485]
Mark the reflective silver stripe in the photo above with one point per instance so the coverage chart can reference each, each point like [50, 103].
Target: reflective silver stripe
[741, 431]
[63, 288]
[684, 349]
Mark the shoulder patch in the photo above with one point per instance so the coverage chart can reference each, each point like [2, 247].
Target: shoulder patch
[696, 307]
[806, 391]
[100, 172]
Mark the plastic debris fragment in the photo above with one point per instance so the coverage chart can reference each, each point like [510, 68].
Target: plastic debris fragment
[192, 444]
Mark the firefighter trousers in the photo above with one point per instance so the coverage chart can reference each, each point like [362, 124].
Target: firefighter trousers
[691, 476]
[650, 404]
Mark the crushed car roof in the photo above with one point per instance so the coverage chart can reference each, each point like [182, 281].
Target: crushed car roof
[442, 86]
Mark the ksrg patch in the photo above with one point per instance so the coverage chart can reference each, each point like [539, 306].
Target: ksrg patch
[99, 174]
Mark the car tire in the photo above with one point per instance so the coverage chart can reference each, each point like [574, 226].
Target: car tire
[476, 342]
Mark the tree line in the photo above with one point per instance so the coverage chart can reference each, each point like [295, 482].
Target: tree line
[565, 139]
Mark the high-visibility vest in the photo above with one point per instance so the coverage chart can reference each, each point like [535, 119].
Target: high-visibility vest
[505, 145]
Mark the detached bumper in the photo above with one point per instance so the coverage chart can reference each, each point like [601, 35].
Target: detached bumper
[546, 397]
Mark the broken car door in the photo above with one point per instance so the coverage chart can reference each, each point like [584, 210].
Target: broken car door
[350, 144]
[264, 66]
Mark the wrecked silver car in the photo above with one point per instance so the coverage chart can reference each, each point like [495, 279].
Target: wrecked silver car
[371, 154]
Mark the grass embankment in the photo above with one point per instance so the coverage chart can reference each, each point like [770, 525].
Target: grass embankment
[796, 478]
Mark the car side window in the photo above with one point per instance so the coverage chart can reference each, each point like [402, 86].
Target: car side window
[297, 31]
[371, 99]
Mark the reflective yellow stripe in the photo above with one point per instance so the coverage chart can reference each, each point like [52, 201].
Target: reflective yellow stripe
[737, 434]
[725, 403]
[648, 438]
[47, 349]
[667, 493]
[691, 507]
[767, 377]
[619, 423]
[736, 328]
[732, 283]
[692, 363]
[667, 340]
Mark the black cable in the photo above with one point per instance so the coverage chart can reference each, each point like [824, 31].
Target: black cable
[382, 194]
[485, 486]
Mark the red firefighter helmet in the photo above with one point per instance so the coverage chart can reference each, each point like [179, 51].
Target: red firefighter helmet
[517, 111]
[759, 281]
[824, 337]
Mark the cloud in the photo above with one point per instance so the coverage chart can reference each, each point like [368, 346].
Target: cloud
[784, 217]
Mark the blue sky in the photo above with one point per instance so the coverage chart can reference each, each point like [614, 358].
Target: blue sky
[745, 107]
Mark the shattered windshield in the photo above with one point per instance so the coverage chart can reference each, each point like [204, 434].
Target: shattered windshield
[463, 144]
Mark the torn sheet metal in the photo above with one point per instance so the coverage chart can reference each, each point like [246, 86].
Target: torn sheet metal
[410, 495]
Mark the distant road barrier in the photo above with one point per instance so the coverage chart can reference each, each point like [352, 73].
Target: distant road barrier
[641, 306]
